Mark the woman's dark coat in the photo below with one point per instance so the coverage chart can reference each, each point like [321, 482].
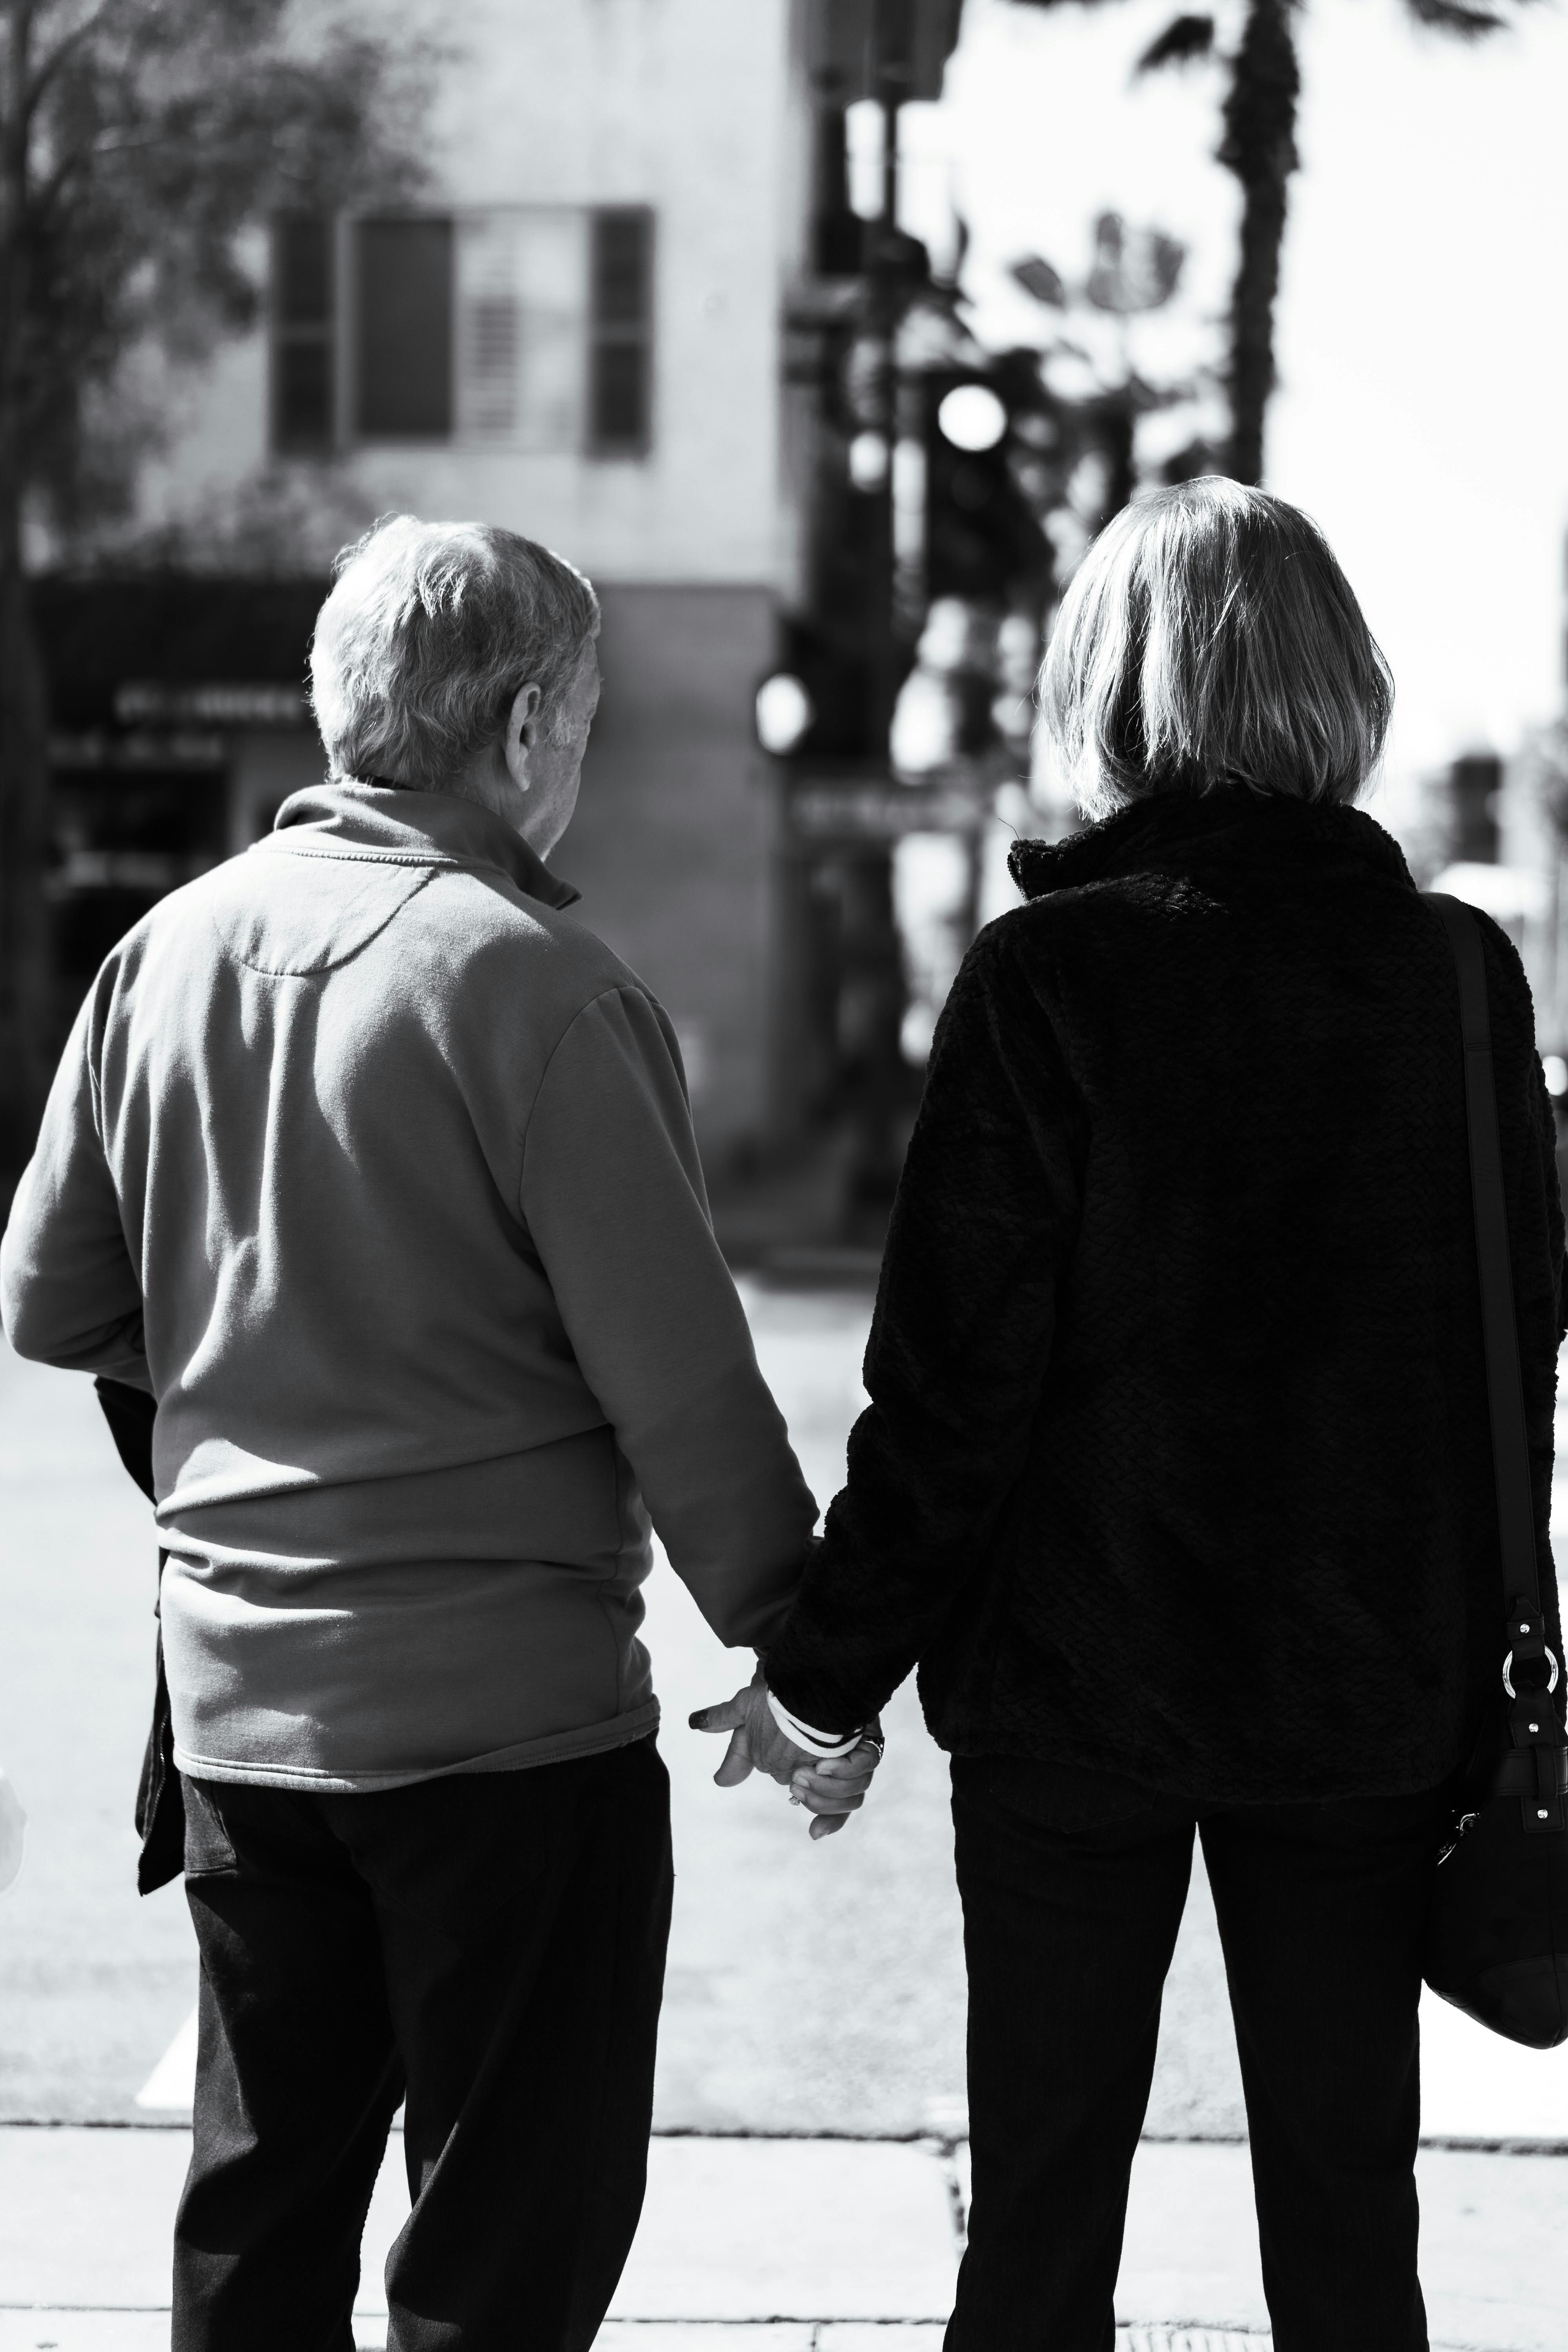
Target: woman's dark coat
[1177, 1463]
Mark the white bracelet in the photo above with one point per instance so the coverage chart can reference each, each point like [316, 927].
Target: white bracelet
[815, 1743]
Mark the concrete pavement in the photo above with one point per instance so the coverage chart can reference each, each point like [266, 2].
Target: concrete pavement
[805, 2242]
[795, 2244]
[95, 1984]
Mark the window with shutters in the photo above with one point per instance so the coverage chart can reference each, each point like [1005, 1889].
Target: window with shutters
[528, 328]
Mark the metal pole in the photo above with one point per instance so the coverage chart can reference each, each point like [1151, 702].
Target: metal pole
[892, 39]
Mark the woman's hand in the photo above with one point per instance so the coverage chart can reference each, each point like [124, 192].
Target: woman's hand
[830, 1787]
[833, 1787]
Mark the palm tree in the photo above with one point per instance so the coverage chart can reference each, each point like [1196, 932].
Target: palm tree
[1259, 147]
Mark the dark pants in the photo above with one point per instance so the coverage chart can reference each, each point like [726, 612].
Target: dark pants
[494, 1945]
[1073, 1889]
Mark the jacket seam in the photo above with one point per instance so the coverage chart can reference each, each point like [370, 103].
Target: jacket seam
[405, 857]
[350, 853]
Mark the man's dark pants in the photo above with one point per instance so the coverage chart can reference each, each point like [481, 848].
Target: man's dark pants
[491, 1943]
[1073, 1887]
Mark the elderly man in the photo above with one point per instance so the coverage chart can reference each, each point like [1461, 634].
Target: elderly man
[375, 1170]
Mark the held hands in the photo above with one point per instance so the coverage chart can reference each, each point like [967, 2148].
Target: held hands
[830, 1787]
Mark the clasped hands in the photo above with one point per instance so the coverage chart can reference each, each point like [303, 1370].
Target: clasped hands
[830, 1787]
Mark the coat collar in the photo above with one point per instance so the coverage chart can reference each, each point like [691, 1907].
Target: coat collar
[1230, 828]
[388, 821]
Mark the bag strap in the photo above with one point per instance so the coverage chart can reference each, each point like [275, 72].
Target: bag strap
[1531, 1768]
[1505, 1388]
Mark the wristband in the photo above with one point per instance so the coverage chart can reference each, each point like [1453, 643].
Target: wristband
[803, 1734]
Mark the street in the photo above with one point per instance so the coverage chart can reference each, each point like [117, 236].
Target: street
[812, 1987]
[816, 1990]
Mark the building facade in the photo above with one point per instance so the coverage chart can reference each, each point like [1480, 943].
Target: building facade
[576, 333]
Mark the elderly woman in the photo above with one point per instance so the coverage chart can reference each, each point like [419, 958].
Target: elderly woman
[1176, 1477]
[375, 1169]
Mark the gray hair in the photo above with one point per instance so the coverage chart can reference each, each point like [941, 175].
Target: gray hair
[1210, 637]
[429, 633]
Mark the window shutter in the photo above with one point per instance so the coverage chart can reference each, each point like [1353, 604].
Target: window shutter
[403, 376]
[304, 388]
[620, 355]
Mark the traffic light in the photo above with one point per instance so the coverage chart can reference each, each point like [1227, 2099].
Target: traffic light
[1475, 784]
[985, 542]
[817, 701]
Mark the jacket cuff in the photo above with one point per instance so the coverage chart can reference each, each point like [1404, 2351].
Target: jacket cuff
[806, 1735]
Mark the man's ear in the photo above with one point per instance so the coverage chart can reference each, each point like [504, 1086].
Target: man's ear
[523, 733]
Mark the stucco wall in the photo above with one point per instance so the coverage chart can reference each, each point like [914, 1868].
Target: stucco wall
[670, 843]
[684, 105]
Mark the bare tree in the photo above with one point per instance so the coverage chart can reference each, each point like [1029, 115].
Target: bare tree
[1262, 92]
[139, 139]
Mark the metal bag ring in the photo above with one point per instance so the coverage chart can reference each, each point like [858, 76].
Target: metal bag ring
[1551, 1683]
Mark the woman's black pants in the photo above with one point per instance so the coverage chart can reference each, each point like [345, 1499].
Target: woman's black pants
[1073, 1888]
[492, 1943]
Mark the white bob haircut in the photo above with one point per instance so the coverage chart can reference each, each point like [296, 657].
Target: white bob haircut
[1209, 637]
[430, 631]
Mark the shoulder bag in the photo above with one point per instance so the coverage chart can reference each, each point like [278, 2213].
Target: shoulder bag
[1497, 1942]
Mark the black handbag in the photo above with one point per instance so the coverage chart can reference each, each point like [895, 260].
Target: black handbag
[160, 1800]
[1497, 1942]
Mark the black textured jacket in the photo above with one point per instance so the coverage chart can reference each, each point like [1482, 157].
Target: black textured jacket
[1177, 1462]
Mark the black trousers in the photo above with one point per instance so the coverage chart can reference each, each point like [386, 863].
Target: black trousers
[1073, 1888]
[493, 1944]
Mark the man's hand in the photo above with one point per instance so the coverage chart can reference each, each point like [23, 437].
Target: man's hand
[830, 1787]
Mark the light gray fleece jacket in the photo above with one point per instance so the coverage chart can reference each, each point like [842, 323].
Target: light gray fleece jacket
[376, 1168]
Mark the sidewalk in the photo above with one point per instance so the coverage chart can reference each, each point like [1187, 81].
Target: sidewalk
[799, 2245]
[839, 2240]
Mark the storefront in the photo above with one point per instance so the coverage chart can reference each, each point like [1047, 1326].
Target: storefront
[180, 725]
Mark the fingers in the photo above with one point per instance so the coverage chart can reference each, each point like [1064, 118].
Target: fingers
[838, 1792]
[840, 1782]
[831, 1788]
[727, 1717]
[756, 1744]
[818, 1797]
[737, 1765]
[855, 1771]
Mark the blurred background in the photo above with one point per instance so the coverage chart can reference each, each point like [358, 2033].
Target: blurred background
[823, 334]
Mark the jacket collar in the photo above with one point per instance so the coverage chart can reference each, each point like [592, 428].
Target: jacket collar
[1230, 828]
[434, 828]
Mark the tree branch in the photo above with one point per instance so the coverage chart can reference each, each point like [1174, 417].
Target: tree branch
[38, 86]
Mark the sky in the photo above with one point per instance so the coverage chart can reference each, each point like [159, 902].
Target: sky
[1423, 321]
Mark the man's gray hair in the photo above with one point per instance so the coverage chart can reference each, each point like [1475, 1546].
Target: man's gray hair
[429, 633]
[1209, 637]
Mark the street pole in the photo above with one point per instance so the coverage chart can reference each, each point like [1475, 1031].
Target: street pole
[893, 32]
[873, 971]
